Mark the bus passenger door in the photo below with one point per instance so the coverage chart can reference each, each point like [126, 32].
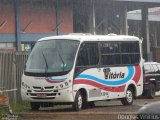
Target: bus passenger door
[87, 70]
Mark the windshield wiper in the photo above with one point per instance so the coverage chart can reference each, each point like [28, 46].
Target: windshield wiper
[46, 69]
[61, 60]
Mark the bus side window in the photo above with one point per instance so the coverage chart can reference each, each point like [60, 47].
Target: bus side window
[88, 55]
[130, 53]
[110, 53]
[81, 57]
[120, 53]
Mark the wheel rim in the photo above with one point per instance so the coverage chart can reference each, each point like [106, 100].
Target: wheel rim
[129, 96]
[80, 101]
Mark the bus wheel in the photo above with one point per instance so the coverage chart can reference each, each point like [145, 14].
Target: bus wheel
[151, 91]
[35, 106]
[78, 102]
[128, 100]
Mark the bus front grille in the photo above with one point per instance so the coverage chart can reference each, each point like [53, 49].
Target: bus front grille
[43, 88]
[46, 92]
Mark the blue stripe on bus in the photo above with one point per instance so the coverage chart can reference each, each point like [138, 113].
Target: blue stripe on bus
[108, 82]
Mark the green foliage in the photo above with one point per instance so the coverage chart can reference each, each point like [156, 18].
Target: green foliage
[20, 107]
[3, 112]
[17, 109]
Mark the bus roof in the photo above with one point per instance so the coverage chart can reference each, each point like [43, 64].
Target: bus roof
[87, 37]
[146, 63]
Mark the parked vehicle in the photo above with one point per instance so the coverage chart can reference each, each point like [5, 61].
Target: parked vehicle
[151, 82]
[149, 111]
[81, 69]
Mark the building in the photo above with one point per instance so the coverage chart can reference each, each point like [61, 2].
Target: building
[134, 23]
[22, 22]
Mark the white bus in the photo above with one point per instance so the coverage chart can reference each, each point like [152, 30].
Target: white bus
[81, 69]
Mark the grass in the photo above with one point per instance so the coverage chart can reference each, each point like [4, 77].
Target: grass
[2, 111]
[20, 107]
[17, 108]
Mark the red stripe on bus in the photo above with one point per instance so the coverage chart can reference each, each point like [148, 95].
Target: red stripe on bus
[54, 81]
[104, 87]
[137, 74]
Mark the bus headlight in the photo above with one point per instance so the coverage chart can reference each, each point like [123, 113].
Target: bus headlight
[61, 85]
[66, 83]
[25, 85]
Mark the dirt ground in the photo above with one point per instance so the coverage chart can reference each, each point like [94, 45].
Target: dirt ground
[104, 110]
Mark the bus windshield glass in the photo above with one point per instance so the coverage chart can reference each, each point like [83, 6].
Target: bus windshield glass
[52, 56]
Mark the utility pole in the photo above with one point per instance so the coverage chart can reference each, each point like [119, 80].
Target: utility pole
[17, 24]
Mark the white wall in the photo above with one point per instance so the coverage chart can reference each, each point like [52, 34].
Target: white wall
[7, 45]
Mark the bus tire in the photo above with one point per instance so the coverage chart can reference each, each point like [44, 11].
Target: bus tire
[35, 106]
[151, 91]
[78, 102]
[128, 100]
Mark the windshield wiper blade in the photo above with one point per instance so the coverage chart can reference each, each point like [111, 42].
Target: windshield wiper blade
[46, 69]
[62, 60]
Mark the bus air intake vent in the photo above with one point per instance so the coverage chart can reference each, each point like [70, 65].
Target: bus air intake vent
[49, 87]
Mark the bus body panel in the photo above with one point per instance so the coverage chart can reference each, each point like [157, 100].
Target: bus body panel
[101, 85]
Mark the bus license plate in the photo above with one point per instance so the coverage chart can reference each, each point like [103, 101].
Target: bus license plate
[41, 95]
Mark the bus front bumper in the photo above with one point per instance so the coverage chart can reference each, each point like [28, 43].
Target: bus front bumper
[54, 96]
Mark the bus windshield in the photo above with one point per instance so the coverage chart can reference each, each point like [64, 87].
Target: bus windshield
[52, 56]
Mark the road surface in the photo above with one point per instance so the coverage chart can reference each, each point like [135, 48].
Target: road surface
[104, 110]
